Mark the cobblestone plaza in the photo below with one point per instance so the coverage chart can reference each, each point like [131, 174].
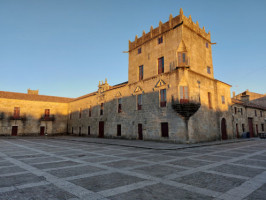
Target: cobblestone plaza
[86, 168]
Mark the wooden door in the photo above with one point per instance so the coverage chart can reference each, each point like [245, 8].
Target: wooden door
[237, 133]
[223, 129]
[250, 125]
[140, 132]
[119, 130]
[257, 129]
[14, 130]
[164, 129]
[42, 129]
[101, 129]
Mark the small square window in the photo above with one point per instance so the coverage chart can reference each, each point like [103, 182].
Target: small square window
[208, 70]
[160, 40]
[139, 50]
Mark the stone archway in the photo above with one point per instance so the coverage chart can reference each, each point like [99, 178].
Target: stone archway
[223, 129]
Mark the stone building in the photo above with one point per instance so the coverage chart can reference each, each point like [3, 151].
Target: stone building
[32, 114]
[249, 113]
[171, 94]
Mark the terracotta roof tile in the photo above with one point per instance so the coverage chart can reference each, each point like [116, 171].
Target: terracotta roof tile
[33, 97]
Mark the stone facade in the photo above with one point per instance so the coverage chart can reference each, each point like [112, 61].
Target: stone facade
[30, 114]
[171, 94]
[248, 117]
[176, 37]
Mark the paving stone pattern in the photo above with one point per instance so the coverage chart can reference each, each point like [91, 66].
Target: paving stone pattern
[73, 169]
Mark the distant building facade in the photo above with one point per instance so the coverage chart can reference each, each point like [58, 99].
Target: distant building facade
[171, 95]
[249, 114]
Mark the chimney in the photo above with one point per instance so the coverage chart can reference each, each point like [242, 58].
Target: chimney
[234, 94]
[36, 92]
[245, 98]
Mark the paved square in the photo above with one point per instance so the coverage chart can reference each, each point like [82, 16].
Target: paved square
[72, 168]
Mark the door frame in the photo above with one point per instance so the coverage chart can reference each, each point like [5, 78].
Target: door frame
[224, 129]
[101, 129]
[140, 132]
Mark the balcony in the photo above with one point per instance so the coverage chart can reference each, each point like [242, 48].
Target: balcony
[47, 118]
[184, 63]
[186, 107]
[16, 117]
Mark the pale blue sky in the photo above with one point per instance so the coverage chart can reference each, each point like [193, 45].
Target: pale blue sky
[64, 47]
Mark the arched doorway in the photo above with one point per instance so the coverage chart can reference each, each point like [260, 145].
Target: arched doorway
[223, 129]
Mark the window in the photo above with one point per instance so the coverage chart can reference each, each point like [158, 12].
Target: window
[182, 59]
[101, 110]
[183, 94]
[161, 65]
[207, 45]
[210, 100]
[139, 50]
[208, 70]
[235, 109]
[256, 113]
[46, 113]
[89, 130]
[80, 111]
[241, 111]
[243, 127]
[164, 129]
[141, 72]
[160, 40]
[16, 112]
[261, 113]
[119, 109]
[139, 101]
[163, 98]
[223, 100]
[90, 111]
[118, 129]
[262, 127]
[70, 115]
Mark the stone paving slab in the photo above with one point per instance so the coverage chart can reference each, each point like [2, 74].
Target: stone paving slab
[19, 179]
[159, 192]
[76, 168]
[37, 193]
[74, 171]
[107, 181]
[237, 170]
[210, 181]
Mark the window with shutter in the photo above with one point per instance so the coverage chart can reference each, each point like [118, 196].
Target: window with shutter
[163, 98]
[141, 72]
[161, 65]
[183, 94]
[139, 102]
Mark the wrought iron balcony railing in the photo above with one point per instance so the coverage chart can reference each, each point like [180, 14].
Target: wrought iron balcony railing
[47, 118]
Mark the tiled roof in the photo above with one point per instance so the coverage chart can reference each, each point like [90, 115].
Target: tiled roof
[250, 104]
[33, 97]
[260, 101]
[94, 93]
